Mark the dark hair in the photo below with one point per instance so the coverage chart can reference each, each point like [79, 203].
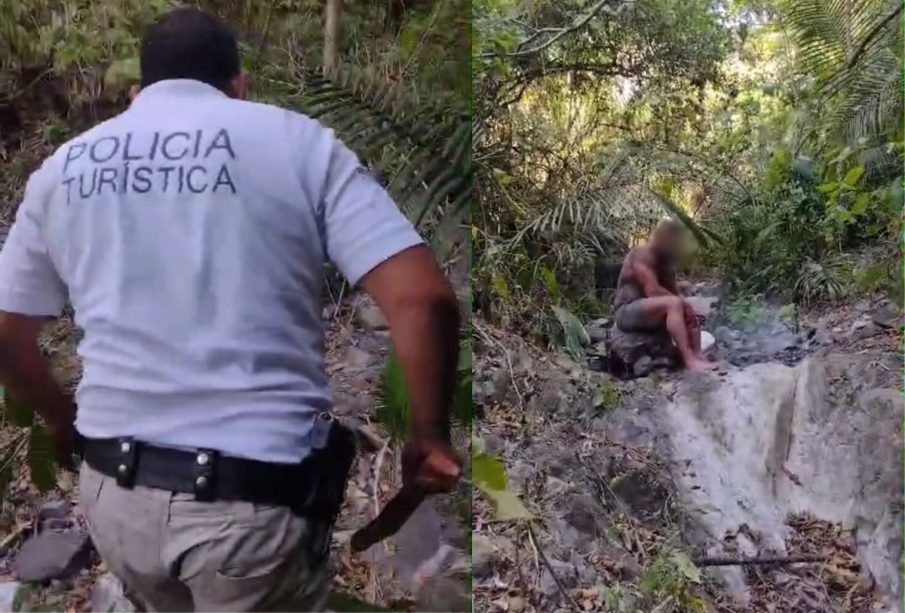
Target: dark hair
[189, 44]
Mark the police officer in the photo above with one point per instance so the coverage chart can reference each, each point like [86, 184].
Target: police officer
[189, 234]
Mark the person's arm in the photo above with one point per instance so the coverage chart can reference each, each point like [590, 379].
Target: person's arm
[647, 278]
[423, 315]
[31, 293]
[375, 246]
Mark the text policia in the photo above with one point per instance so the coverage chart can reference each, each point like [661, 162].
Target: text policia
[162, 163]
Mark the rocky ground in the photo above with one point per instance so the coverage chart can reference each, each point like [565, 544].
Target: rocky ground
[47, 562]
[608, 466]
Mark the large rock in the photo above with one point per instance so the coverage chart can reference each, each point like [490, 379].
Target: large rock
[109, 596]
[626, 349]
[823, 438]
[52, 555]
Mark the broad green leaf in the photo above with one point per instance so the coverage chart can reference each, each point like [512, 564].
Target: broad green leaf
[488, 472]
[828, 188]
[573, 331]
[861, 204]
[684, 564]
[853, 176]
[17, 411]
[40, 459]
[507, 505]
[550, 281]
[500, 286]
[489, 475]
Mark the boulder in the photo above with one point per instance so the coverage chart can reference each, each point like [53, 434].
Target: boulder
[109, 595]
[52, 555]
[598, 330]
[887, 316]
[626, 349]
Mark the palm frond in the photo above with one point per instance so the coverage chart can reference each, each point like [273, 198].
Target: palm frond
[850, 48]
[423, 155]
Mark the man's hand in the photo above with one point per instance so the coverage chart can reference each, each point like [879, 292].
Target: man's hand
[431, 466]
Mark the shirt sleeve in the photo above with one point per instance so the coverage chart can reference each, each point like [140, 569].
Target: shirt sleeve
[29, 282]
[362, 225]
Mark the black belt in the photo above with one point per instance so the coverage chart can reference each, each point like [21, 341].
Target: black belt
[204, 473]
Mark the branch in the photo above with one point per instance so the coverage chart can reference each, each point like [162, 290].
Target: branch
[576, 25]
[758, 561]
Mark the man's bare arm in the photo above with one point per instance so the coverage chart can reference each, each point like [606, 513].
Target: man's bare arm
[423, 314]
[648, 279]
[26, 373]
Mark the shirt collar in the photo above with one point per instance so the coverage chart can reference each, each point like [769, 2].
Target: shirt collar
[187, 88]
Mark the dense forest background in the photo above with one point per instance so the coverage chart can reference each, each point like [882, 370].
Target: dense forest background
[773, 128]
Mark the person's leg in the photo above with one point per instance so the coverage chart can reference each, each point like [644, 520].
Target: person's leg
[649, 314]
[694, 330]
[237, 556]
[126, 529]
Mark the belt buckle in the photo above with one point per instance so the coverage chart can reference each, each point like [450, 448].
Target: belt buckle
[128, 462]
[205, 475]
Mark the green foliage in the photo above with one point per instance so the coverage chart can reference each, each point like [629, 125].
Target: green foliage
[34, 438]
[393, 407]
[608, 396]
[489, 475]
[575, 336]
[673, 574]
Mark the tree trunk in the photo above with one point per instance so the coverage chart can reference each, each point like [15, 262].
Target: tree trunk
[333, 26]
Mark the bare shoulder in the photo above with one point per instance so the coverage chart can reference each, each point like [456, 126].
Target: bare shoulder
[640, 256]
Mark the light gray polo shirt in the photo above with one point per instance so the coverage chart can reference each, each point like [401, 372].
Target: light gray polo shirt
[190, 234]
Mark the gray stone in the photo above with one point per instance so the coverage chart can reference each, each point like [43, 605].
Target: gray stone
[626, 348]
[861, 329]
[643, 366]
[370, 317]
[888, 316]
[8, 590]
[52, 555]
[724, 336]
[356, 358]
[482, 554]
[55, 509]
[707, 341]
[598, 330]
[109, 596]
[57, 524]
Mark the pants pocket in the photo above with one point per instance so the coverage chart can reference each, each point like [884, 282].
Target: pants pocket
[91, 482]
[259, 565]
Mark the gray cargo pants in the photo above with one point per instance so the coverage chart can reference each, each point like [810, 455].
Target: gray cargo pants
[174, 553]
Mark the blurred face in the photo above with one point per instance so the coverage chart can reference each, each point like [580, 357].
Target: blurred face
[670, 243]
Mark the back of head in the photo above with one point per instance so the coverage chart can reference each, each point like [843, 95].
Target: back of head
[190, 44]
